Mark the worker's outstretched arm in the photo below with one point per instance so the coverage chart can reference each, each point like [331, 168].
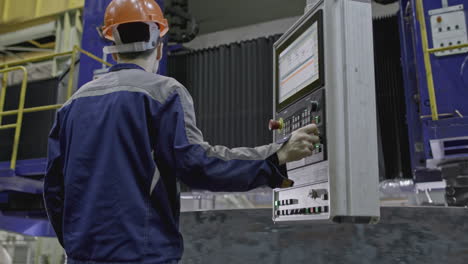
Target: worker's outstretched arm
[53, 181]
[215, 168]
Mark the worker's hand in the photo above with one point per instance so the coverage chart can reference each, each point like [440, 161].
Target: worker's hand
[300, 145]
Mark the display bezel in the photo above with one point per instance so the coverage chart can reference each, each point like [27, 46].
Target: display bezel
[317, 17]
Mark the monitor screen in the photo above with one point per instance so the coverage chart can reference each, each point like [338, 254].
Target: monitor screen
[300, 62]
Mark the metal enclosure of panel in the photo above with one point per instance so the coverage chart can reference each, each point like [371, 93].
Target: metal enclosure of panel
[324, 74]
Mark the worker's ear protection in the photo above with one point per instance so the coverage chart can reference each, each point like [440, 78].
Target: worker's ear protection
[120, 47]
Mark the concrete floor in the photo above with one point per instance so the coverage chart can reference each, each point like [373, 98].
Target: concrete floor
[404, 235]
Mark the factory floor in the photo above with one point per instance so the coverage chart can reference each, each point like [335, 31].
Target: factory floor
[403, 235]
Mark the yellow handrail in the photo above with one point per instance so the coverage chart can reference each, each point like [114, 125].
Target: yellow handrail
[427, 60]
[92, 56]
[19, 117]
[3, 93]
[21, 110]
[7, 126]
[71, 77]
[461, 46]
[31, 109]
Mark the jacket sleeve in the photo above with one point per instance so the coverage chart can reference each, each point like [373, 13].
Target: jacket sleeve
[53, 181]
[215, 168]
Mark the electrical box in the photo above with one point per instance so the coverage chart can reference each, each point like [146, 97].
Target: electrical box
[324, 74]
[448, 27]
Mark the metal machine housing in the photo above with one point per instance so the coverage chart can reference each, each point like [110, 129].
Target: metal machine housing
[343, 185]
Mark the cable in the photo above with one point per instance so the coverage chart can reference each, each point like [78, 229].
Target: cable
[62, 76]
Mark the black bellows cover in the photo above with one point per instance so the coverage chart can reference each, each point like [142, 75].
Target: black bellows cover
[232, 89]
[391, 109]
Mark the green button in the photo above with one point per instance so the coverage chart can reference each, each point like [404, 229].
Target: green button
[317, 146]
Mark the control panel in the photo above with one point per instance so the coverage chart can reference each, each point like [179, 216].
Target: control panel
[448, 27]
[324, 75]
[308, 110]
[300, 202]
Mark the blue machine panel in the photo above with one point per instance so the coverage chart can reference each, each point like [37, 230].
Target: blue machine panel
[450, 76]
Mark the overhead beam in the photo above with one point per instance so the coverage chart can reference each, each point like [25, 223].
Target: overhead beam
[27, 34]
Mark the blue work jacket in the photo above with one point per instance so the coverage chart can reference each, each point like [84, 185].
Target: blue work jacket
[118, 149]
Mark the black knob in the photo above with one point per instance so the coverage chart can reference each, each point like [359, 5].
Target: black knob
[314, 106]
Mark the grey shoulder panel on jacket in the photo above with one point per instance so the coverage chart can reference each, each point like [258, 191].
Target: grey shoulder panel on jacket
[157, 87]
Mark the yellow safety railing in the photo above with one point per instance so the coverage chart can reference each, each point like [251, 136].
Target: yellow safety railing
[19, 118]
[427, 59]
[14, 66]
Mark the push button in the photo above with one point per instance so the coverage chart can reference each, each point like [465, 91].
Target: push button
[317, 120]
[293, 201]
[325, 197]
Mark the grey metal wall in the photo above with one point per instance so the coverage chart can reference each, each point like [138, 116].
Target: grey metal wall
[232, 90]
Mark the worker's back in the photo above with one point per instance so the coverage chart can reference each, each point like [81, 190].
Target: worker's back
[106, 142]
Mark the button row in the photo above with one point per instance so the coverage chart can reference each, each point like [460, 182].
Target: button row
[286, 202]
[303, 211]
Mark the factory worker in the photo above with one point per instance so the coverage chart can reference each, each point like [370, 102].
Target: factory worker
[121, 144]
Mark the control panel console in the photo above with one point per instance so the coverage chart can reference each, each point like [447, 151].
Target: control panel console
[324, 74]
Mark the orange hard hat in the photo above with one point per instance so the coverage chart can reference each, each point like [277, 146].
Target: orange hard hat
[128, 11]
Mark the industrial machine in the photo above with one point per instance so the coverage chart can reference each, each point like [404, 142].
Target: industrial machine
[324, 74]
[434, 47]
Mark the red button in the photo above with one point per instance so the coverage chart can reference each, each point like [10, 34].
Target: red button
[274, 125]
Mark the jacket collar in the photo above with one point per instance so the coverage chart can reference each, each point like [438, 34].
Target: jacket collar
[124, 66]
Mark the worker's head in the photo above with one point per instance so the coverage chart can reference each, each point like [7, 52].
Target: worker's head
[136, 27]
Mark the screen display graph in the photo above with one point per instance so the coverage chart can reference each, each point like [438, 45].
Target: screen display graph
[298, 64]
